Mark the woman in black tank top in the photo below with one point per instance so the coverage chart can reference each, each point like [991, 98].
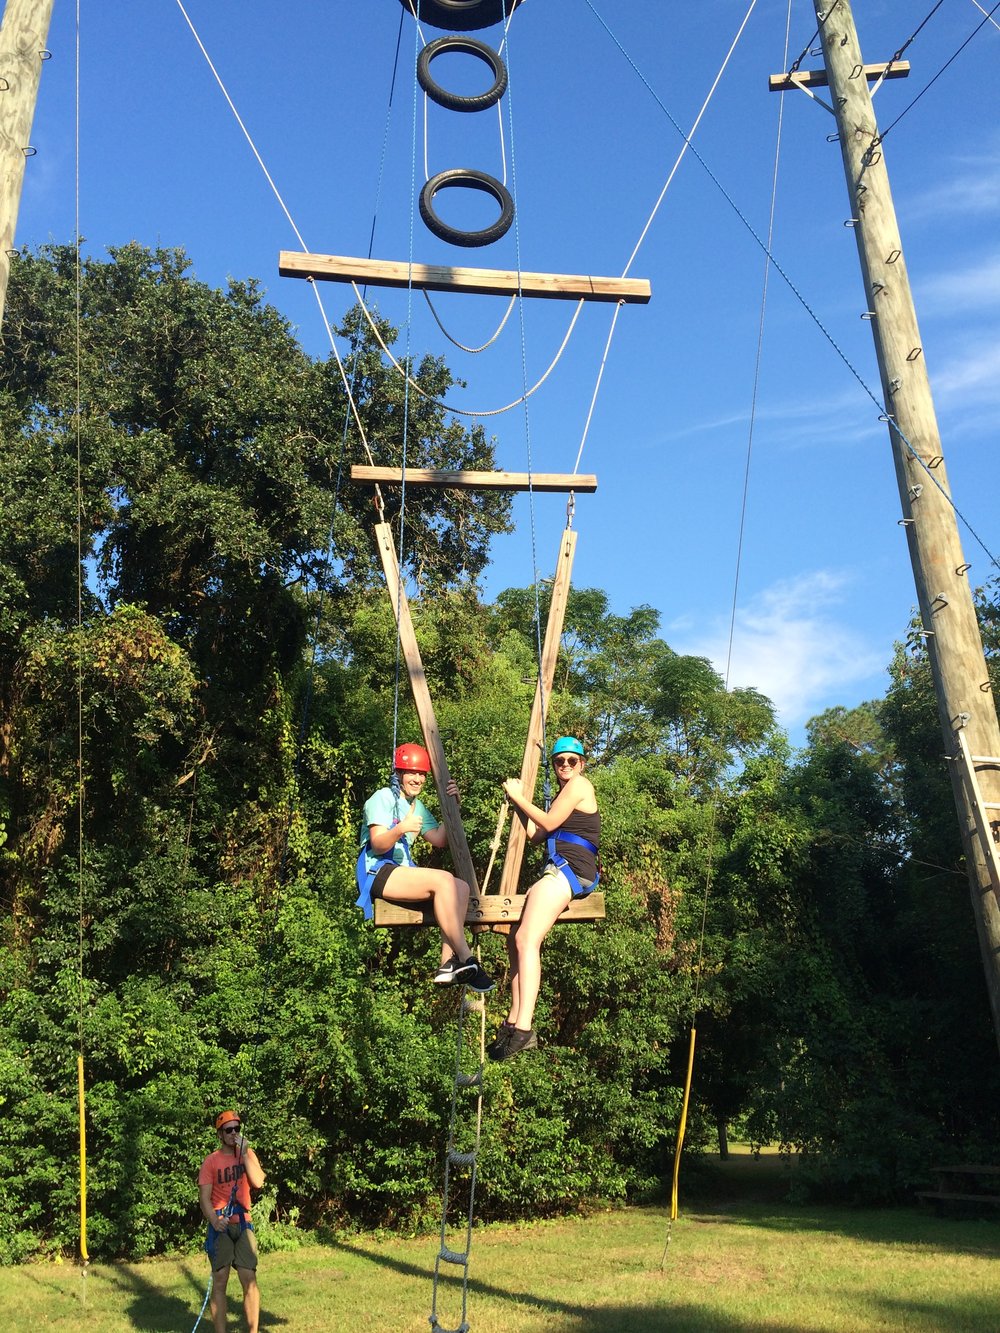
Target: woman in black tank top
[573, 813]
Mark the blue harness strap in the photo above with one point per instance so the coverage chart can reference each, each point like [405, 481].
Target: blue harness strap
[366, 877]
[562, 864]
[232, 1209]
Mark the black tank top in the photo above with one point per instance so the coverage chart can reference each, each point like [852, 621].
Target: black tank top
[582, 862]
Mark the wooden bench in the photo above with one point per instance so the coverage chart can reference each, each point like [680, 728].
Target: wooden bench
[963, 1185]
[487, 909]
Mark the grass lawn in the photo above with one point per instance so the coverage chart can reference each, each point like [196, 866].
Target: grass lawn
[738, 1262]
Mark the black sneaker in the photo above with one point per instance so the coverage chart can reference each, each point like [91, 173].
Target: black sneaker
[500, 1040]
[517, 1040]
[452, 972]
[478, 980]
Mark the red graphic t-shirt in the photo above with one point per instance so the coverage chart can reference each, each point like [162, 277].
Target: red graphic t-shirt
[220, 1169]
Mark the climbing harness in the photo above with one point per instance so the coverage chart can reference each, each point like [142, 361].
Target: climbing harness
[564, 867]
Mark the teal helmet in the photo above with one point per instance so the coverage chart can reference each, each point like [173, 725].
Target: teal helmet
[567, 745]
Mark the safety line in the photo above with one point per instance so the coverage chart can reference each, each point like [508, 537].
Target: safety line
[716, 799]
[884, 415]
[897, 55]
[687, 137]
[78, 406]
[989, 16]
[880, 138]
[535, 571]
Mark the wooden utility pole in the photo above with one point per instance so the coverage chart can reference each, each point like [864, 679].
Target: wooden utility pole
[966, 708]
[23, 35]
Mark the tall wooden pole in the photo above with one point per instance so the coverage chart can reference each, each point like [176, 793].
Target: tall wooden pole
[23, 35]
[451, 816]
[965, 703]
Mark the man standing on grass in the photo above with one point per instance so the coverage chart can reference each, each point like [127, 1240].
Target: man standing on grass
[224, 1183]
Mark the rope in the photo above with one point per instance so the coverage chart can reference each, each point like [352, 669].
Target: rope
[989, 16]
[690, 134]
[464, 411]
[880, 138]
[597, 385]
[473, 351]
[898, 54]
[81, 1087]
[710, 852]
[884, 415]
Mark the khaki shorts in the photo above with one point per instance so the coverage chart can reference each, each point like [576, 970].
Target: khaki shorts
[241, 1252]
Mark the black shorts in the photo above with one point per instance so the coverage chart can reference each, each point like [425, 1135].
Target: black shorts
[380, 880]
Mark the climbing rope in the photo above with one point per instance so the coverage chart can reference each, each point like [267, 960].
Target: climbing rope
[713, 813]
[78, 407]
[884, 415]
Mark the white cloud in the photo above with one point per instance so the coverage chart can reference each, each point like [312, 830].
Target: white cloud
[790, 644]
[974, 189]
[972, 374]
[975, 287]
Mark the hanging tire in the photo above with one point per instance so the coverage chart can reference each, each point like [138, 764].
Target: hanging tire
[466, 46]
[460, 15]
[463, 177]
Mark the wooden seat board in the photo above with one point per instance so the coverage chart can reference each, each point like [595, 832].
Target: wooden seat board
[487, 909]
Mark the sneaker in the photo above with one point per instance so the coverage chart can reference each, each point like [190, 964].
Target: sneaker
[478, 980]
[500, 1040]
[452, 972]
[517, 1040]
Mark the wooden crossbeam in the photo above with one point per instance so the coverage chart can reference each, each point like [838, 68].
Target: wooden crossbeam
[817, 78]
[477, 281]
[581, 482]
[487, 910]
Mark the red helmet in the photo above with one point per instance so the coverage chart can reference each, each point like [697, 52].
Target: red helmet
[412, 756]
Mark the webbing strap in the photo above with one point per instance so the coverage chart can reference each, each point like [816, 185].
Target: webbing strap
[562, 865]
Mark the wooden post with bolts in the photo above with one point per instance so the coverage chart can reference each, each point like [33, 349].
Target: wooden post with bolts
[955, 649]
[23, 35]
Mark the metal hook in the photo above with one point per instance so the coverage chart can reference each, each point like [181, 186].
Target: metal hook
[914, 353]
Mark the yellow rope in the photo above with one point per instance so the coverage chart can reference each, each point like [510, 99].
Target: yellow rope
[683, 1125]
[82, 1097]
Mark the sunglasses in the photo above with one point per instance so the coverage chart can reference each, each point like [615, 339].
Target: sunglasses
[231, 1129]
[566, 761]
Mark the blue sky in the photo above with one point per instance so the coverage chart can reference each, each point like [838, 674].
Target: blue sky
[825, 586]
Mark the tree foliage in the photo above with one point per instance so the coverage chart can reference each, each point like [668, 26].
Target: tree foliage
[213, 710]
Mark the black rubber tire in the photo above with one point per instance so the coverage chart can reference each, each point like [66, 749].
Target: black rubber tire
[460, 15]
[466, 46]
[472, 180]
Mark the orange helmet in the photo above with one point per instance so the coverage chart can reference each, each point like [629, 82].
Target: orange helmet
[225, 1117]
[412, 756]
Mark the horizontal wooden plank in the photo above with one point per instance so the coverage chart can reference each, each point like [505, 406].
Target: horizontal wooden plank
[817, 78]
[487, 909]
[474, 281]
[582, 482]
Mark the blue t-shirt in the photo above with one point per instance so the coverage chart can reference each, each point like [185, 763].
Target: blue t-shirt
[386, 809]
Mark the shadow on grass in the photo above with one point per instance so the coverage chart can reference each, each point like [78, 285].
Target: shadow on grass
[974, 1314]
[157, 1311]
